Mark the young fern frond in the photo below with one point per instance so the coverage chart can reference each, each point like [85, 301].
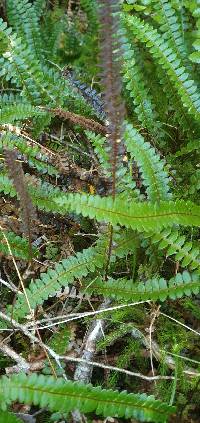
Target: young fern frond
[141, 216]
[65, 396]
[155, 178]
[98, 142]
[164, 55]
[150, 290]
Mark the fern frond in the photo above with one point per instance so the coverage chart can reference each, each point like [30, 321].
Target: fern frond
[19, 246]
[191, 147]
[39, 6]
[99, 143]
[64, 273]
[154, 176]
[195, 56]
[175, 244]
[23, 18]
[39, 84]
[28, 152]
[163, 54]
[135, 84]
[63, 396]
[170, 27]
[150, 290]
[18, 111]
[77, 266]
[141, 216]
[42, 194]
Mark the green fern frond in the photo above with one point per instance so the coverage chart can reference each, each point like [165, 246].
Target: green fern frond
[175, 244]
[23, 18]
[135, 84]
[191, 147]
[164, 55]
[7, 99]
[99, 143]
[31, 153]
[154, 176]
[77, 266]
[63, 396]
[170, 27]
[151, 290]
[64, 273]
[18, 64]
[39, 6]
[195, 56]
[43, 194]
[6, 417]
[19, 246]
[18, 111]
[141, 216]
[113, 335]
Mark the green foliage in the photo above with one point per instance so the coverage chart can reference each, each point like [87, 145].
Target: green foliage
[18, 246]
[59, 341]
[164, 55]
[141, 216]
[136, 85]
[151, 290]
[67, 396]
[66, 271]
[155, 178]
[153, 215]
[195, 56]
[175, 244]
[8, 417]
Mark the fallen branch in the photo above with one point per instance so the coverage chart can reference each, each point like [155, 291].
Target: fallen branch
[22, 364]
[58, 358]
